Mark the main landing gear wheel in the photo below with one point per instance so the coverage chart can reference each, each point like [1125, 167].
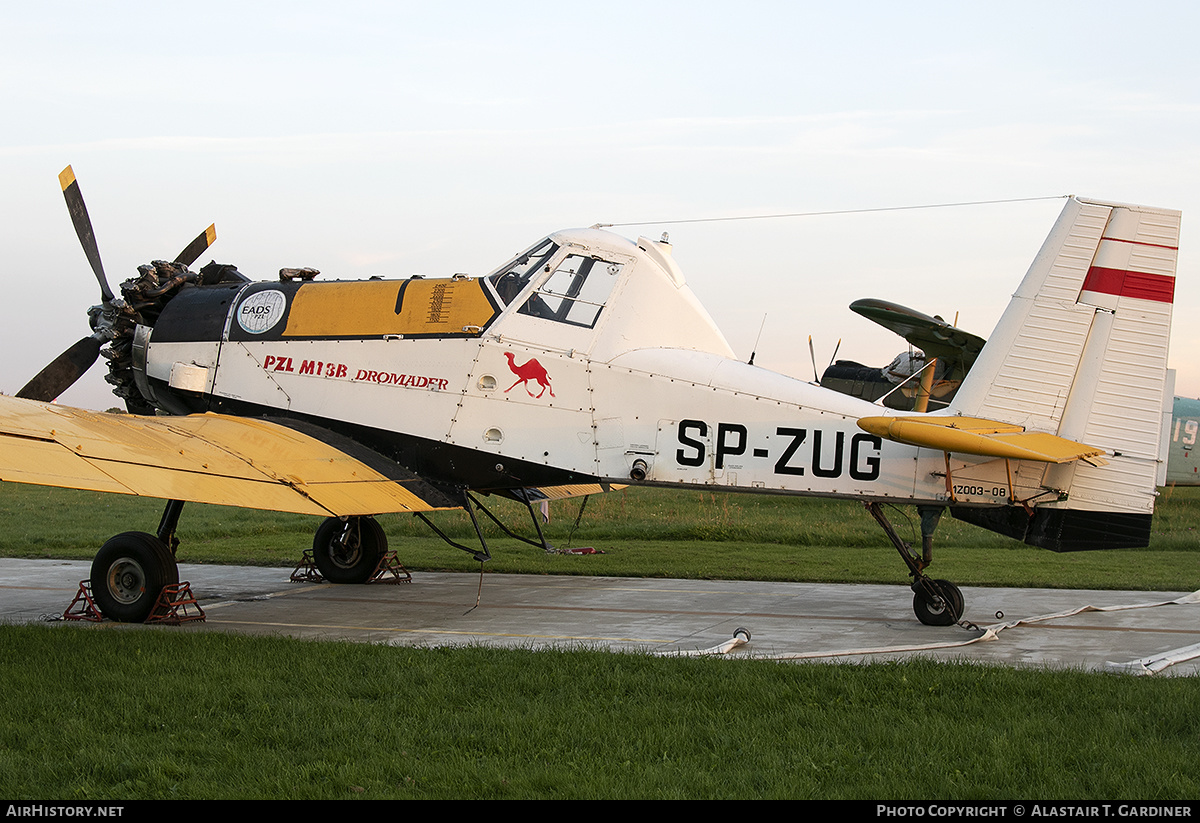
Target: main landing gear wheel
[347, 551]
[128, 574]
[937, 602]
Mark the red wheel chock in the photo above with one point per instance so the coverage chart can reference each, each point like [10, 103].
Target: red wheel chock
[83, 607]
[175, 605]
[306, 571]
[388, 570]
[389, 564]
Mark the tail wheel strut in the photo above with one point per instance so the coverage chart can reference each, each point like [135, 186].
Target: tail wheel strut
[935, 602]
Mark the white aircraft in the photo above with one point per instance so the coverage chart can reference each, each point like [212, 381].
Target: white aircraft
[585, 362]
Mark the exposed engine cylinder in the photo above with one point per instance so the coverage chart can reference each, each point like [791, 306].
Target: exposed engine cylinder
[145, 297]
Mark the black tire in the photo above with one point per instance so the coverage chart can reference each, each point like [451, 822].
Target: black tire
[946, 610]
[128, 574]
[347, 551]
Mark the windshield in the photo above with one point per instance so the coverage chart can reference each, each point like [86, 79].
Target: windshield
[512, 279]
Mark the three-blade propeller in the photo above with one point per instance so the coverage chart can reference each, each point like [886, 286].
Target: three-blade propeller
[69, 366]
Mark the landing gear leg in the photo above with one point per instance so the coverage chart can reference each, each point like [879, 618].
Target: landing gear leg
[168, 524]
[935, 602]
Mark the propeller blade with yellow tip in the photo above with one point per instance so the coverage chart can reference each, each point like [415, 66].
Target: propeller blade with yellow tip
[197, 247]
[83, 228]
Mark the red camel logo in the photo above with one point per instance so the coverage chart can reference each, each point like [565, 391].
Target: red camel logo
[529, 370]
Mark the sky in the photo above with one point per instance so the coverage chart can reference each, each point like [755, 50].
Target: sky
[397, 138]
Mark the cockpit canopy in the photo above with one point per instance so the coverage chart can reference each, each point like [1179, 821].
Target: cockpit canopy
[577, 289]
[605, 295]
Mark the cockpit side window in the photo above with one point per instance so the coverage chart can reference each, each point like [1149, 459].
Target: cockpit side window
[576, 292]
[512, 279]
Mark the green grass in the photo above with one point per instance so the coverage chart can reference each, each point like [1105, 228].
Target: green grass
[642, 532]
[128, 712]
[95, 713]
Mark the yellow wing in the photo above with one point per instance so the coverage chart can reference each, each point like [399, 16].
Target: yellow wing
[536, 493]
[206, 458]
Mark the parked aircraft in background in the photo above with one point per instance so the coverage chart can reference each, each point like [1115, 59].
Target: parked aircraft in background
[1183, 468]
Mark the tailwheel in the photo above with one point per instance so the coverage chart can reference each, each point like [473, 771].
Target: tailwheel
[128, 574]
[937, 602]
[348, 551]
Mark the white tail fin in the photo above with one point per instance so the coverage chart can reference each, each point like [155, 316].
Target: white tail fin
[1081, 352]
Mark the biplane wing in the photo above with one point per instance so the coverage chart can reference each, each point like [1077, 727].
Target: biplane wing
[932, 335]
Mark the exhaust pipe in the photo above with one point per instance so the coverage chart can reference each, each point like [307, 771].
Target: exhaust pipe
[640, 470]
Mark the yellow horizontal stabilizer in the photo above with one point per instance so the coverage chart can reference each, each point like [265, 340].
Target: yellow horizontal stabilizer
[203, 458]
[973, 435]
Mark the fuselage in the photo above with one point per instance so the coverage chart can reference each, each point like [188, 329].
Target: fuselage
[585, 358]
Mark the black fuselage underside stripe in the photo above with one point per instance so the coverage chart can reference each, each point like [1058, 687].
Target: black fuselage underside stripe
[445, 465]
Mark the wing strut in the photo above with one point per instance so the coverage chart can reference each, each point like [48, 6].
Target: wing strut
[482, 555]
[470, 503]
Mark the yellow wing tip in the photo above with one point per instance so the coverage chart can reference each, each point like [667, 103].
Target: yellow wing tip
[210, 233]
[66, 177]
